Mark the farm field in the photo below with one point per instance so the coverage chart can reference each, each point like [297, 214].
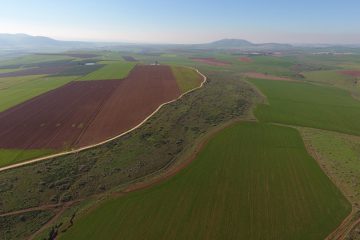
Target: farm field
[211, 61]
[339, 155]
[251, 181]
[138, 95]
[99, 110]
[16, 90]
[12, 156]
[50, 122]
[308, 105]
[53, 70]
[34, 59]
[169, 136]
[186, 78]
[111, 70]
[266, 76]
[335, 78]
[329, 77]
[149, 148]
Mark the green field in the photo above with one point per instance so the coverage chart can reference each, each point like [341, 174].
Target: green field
[112, 70]
[252, 181]
[329, 77]
[186, 78]
[16, 90]
[8, 70]
[304, 104]
[12, 156]
[34, 58]
[335, 78]
[340, 155]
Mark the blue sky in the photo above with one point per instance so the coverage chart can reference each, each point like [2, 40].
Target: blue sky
[185, 21]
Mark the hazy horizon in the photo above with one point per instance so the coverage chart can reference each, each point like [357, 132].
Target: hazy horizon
[158, 21]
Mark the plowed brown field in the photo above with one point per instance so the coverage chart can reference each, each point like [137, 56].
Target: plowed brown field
[137, 97]
[87, 112]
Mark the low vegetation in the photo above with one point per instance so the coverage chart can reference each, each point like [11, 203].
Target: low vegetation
[21, 226]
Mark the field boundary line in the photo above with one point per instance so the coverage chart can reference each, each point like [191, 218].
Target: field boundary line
[40, 159]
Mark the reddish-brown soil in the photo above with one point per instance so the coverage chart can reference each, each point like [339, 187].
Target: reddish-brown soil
[211, 61]
[352, 73]
[245, 59]
[55, 119]
[266, 76]
[35, 71]
[137, 97]
[87, 112]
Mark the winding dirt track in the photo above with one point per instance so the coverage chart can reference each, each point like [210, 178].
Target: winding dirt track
[104, 141]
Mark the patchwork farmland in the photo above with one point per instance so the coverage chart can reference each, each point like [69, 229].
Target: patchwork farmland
[211, 61]
[172, 178]
[86, 112]
[66, 114]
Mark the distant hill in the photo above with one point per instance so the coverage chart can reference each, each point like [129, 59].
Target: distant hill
[243, 44]
[15, 43]
[231, 43]
[22, 41]
[9, 40]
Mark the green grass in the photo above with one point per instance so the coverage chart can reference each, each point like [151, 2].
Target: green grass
[252, 181]
[308, 105]
[330, 77]
[33, 58]
[8, 70]
[334, 78]
[113, 70]
[326, 77]
[340, 154]
[12, 156]
[16, 90]
[186, 78]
